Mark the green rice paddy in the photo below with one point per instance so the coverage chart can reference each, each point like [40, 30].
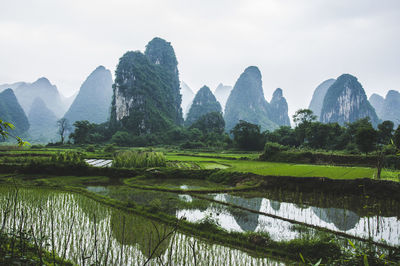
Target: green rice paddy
[286, 169]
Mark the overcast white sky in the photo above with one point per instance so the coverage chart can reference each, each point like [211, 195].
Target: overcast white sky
[297, 44]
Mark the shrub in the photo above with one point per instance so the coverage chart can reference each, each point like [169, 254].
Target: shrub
[271, 149]
[90, 148]
[389, 149]
[351, 148]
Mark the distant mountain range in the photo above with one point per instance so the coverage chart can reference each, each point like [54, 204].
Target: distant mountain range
[387, 108]
[42, 88]
[42, 104]
[148, 97]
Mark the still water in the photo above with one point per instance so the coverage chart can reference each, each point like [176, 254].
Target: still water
[87, 232]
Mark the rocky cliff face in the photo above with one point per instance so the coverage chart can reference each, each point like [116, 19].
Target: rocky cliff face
[391, 107]
[93, 102]
[12, 112]
[43, 122]
[203, 103]
[377, 102]
[146, 95]
[346, 102]
[246, 102]
[222, 93]
[278, 109]
[187, 98]
[319, 95]
[43, 89]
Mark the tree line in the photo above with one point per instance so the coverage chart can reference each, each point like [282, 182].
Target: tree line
[208, 131]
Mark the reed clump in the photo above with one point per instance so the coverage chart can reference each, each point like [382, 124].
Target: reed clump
[139, 159]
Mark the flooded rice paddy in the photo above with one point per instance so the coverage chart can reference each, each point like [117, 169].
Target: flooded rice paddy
[280, 219]
[87, 232]
[374, 227]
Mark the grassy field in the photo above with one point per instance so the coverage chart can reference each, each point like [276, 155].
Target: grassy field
[231, 161]
[285, 169]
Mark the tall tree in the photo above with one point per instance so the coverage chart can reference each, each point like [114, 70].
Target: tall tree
[303, 119]
[385, 132]
[82, 130]
[366, 138]
[247, 136]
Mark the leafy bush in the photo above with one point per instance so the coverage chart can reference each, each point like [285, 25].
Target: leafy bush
[271, 149]
[389, 149]
[90, 148]
[139, 159]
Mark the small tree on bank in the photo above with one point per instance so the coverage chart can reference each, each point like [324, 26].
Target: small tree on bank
[63, 128]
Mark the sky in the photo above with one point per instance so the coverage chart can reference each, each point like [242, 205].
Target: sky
[297, 44]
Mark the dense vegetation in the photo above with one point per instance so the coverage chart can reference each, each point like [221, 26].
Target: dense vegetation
[354, 137]
[146, 96]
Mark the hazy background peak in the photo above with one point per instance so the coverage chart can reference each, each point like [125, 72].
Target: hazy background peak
[296, 44]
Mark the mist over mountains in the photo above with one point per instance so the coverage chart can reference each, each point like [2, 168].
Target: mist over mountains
[147, 96]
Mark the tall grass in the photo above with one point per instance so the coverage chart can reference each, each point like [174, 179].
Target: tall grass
[67, 157]
[139, 159]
